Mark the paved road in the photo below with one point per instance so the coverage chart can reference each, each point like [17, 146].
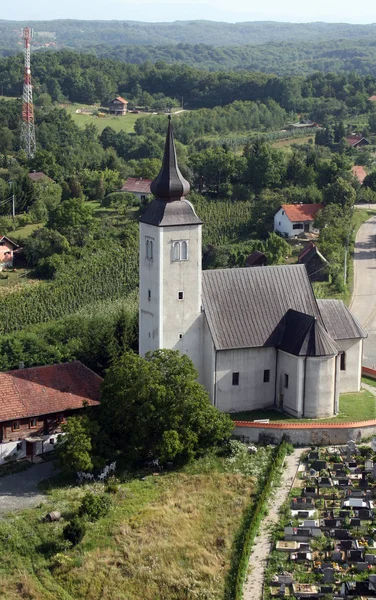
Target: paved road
[363, 303]
[20, 491]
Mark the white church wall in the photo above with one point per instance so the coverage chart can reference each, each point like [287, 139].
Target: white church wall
[252, 392]
[151, 289]
[350, 378]
[290, 391]
[320, 387]
[208, 361]
[182, 319]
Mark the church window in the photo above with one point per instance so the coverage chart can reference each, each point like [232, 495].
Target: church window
[266, 375]
[176, 251]
[343, 361]
[180, 295]
[235, 378]
[180, 336]
[184, 251]
[180, 250]
[286, 380]
[149, 249]
[149, 294]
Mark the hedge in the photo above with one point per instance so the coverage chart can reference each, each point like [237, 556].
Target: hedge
[250, 527]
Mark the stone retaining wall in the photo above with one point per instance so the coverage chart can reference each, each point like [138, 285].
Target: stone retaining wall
[305, 434]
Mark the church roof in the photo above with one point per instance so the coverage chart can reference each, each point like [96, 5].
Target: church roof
[303, 335]
[339, 321]
[169, 207]
[245, 308]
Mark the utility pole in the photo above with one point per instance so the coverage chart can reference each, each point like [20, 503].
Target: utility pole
[28, 142]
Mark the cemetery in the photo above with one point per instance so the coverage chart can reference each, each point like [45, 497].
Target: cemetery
[324, 545]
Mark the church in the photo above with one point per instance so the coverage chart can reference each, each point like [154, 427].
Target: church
[257, 336]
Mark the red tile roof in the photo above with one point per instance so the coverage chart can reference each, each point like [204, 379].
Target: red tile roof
[139, 186]
[44, 390]
[301, 212]
[305, 250]
[372, 98]
[359, 172]
[39, 176]
[121, 100]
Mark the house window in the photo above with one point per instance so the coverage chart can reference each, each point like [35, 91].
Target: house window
[343, 361]
[283, 212]
[16, 426]
[149, 249]
[61, 418]
[297, 226]
[180, 295]
[266, 375]
[235, 379]
[149, 295]
[286, 380]
[180, 250]
[33, 423]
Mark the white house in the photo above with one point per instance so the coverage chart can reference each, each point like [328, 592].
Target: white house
[258, 337]
[293, 219]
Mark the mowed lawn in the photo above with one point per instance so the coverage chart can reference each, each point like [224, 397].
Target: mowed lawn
[352, 407]
[125, 123]
[167, 537]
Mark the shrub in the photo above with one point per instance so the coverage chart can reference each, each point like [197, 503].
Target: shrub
[94, 506]
[74, 531]
[111, 487]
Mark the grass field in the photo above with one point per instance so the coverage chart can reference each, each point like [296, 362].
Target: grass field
[125, 123]
[166, 537]
[289, 142]
[352, 407]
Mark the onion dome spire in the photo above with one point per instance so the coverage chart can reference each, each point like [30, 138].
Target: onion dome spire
[170, 184]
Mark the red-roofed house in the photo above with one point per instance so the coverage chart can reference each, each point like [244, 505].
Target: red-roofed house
[359, 172]
[118, 106]
[38, 176]
[138, 186]
[372, 98]
[293, 219]
[7, 247]
[35, 401]
[356, 141]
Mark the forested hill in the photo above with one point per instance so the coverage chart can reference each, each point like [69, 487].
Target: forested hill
[79, 34]
[279, 58]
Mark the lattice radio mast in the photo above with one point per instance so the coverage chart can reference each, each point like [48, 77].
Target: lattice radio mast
[28, 142]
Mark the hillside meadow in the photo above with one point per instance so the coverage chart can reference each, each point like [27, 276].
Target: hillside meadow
[167, 535]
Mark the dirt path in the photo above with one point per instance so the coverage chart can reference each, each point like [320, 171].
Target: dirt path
[260, 553]
[20, 491]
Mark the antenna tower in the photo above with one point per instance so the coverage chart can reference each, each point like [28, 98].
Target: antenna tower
[27, 127]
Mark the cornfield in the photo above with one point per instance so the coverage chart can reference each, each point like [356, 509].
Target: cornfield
[106, 274]
[224, 221]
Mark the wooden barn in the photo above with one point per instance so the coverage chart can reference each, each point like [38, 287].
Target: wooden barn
[118, 106]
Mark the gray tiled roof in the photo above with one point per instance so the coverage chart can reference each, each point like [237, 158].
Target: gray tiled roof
[304, 336]
[245, 307]
[339, 321]
[168, 214]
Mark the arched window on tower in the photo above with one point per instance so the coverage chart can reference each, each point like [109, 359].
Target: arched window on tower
[184, 251]
[180, 250]
[176, 251]
[149, 249]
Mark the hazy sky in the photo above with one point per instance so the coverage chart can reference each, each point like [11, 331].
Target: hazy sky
[215, 10]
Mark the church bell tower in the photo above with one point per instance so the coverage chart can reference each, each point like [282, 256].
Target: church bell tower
[170, 265]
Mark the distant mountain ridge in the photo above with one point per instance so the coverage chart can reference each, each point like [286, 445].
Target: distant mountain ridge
[80, 34]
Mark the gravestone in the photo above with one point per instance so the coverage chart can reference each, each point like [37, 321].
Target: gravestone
[329, 575]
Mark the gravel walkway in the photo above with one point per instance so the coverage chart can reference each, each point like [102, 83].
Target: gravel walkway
[20, 491]
[260, 553]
